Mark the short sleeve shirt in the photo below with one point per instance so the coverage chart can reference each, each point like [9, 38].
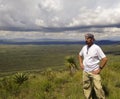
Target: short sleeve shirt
[91, 57]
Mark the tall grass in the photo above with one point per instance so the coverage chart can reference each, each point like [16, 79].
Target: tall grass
[57, 85]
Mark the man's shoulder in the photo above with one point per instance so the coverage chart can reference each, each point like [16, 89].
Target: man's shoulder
[95, 45]
[84, 46]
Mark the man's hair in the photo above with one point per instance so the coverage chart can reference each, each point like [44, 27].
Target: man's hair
[88, 35]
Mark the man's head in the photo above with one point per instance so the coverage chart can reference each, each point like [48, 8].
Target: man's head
[89, 38]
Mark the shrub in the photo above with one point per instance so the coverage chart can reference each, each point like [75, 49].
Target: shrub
[70, 62]
[50, 74]
[20, 78]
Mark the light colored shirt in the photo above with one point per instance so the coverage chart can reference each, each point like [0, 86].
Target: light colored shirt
[91, 57]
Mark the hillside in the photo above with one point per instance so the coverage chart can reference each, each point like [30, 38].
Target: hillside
[39, 72]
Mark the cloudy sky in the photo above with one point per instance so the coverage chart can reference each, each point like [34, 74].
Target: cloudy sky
[59, 19]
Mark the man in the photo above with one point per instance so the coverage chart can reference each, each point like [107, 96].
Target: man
[92, 61]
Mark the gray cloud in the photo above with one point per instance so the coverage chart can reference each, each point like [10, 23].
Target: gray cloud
[59, 16]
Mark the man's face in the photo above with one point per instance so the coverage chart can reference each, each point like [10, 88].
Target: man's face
[88, 40]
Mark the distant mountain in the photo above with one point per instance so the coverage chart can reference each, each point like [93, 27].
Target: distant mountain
[53, 41]
[107, 42]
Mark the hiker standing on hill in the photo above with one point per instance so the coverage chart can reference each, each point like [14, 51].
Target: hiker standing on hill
[92, 61]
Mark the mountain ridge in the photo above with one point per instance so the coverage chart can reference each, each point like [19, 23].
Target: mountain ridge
[54, 41]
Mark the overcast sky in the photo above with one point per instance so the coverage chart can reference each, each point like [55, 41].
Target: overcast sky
[59, 19]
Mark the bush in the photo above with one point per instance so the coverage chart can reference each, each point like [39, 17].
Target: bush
[20, 78]
[50, 74]
[70, 62]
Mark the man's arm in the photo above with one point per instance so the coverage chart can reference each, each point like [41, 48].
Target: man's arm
[81, 62]
[103, 62]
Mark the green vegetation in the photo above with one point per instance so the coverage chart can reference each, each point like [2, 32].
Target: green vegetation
[34, 57]
[20, 78]
[39, 72]
[71, 64]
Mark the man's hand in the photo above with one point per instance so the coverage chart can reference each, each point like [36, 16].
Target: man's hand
[82, 66]
[81, 62]
[96, 71]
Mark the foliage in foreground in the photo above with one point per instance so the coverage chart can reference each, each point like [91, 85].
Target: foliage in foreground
[46, 85]
[52, 84]
[71, 64]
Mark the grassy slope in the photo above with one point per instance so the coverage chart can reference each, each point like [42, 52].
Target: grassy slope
[55, 84]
